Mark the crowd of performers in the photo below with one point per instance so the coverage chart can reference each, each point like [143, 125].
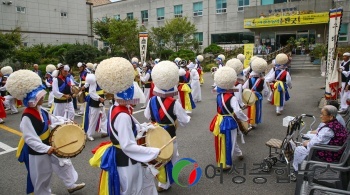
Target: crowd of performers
[168, 92]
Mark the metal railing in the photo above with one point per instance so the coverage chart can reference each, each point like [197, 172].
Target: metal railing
[269, 57]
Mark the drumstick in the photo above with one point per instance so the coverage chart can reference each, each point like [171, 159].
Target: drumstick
[67, 144]
[168, 143]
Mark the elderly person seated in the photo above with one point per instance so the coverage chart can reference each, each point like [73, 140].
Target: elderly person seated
[330, 132]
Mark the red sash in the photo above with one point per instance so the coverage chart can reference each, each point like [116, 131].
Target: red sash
[167, 103]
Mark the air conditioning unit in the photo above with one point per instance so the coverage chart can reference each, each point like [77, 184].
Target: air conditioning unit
[145, 20]
[160, 18]
[195, 13]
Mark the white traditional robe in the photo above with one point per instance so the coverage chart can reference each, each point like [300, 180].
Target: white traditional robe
[42, 166]
[51, 96]
[196, 86]
[146, 91]
[62, 109]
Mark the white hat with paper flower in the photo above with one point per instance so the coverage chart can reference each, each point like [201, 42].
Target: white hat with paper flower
[6, 71]
[241, 57]
[259, 65]
[165, 77]
[225, 78]
[116, 75]
[26, 85]
[50, 68]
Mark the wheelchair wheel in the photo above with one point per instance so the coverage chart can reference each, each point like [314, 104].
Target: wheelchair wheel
[274, 159]
[266, 165]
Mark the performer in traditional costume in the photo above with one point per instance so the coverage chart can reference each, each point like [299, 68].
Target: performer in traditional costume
[258, 87]
[345, 73]
[224, 126]
[185, 96]
[165, 111]
[281, 81]
[34, 149]
[146, 79]
[122, 172]
[195, 84]
[95, 116]
[241, 57]
[177, 61]
[237, 65]
[248, 70]
[199, 68]
[83, 71]
[220, 62]
[48, 82]
[135, 63]
[9, 102]
[61, 89]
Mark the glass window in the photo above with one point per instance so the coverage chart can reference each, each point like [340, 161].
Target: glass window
[266, 2]
[178, 11]
[160, 13]
[144, 16]
[233, 38]
[64, 14]
[117, 17]
[343, 33]
[104, 19]
[105, 44]
[130, 16]
[198, 9]
[221, 6]
[199, 37]
[242, 4]
[21, 9]
[95, 43]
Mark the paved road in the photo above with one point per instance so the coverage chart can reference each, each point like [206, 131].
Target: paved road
[195, 141]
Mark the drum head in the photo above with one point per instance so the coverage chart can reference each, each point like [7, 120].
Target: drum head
[66, 134]
[157, 138]
[75, 89]
[81, 97]
[248, 97]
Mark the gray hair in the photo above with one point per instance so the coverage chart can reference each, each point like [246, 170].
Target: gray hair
[331, 110]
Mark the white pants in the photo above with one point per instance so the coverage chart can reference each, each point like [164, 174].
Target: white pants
[196, 90]
[148, 186]
[41, 167]
[300, 153]
[60, 110]
[146, 92]
[131, 179]
[236, 151]
[94, 114]
[344, 95]
[50, 99]
[173, 160]
[10, 103]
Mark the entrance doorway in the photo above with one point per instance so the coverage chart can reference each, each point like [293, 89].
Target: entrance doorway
[282, 39]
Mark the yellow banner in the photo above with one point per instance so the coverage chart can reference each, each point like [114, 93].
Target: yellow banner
[248, 53]
[272, 21]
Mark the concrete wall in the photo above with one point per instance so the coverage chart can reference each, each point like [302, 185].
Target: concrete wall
[42, 21]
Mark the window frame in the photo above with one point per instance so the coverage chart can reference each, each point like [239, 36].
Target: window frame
[116, 17]
[64, 14]
[344, 35]
[128, 14]
[160, 18]
[21, 9]
[178, 15]
[199, 12]
[223, 7]
[197, 36]
[240, 8]
[142, 16]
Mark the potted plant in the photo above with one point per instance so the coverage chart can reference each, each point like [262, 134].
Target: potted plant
[318, 52]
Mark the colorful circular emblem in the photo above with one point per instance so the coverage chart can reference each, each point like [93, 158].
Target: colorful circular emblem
[194, 175]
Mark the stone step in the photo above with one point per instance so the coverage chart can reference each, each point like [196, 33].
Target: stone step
[306, 67]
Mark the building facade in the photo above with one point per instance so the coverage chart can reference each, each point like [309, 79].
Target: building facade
[48, 21]
[223, 21]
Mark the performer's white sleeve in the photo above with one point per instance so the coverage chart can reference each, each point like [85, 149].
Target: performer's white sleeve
[266, 90]
[289, 80]
[270, 76]
[55, 89]
[30, 136]
[127, 141]
[86, 85]
[323, 136]
[345, 73]
[145, 78]
[238, 94]
[237, 110]
[246, 84]
[147, 111]
[181, 114]
[194, 74]
[47, 83]
[92, 92]
[246, 71]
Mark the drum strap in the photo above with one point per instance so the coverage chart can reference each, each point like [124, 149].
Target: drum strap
[165, 111]
[231, 114]
[256, 84]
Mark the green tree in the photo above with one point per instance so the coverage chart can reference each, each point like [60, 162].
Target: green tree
[158, 37]
[121, 35]
[8, 43]
[213, 49]
[81, 53]
[176, 34]
[183, 54]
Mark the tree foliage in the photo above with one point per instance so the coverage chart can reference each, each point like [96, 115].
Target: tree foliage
[184, 55]
[81, 53]
[176, 34]
[213, 49]
[121, 35]
[8, 43]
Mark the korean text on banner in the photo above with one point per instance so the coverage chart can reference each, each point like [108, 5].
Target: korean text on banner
[248, 53]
